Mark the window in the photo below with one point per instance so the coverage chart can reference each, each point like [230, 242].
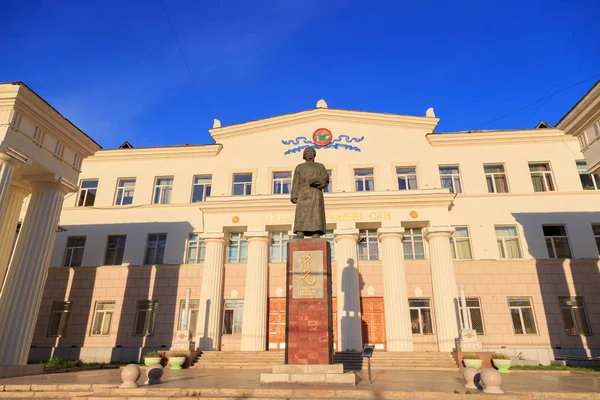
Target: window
[368, 248]
[125, 189]
[155, 248]
[232, 317]
[87, 193]
[115, 248]
[596, 231]
[238, 248]
[144, 317]
[74, 252]
[508, 241]
[407, 178]
[413, 244]
[163, 188]
[573, 312]
[474, 314]
[329, 187]
[59, 320]
[242, 184]
[363, 179]
[541, 177]
[194, 311]
[450, 178]
[279, 241]
[331, 239]
[461, 244]
[495, 176]
[420, 316]
[282, 182]
[521, 313]
[588, 181]
[201, 187]
[196, 249]
[102, 318]
[557, 241]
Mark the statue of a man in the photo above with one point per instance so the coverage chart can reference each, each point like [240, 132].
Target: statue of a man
[310, 178]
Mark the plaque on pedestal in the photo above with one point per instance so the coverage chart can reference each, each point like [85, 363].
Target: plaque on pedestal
[183, 341]
[468, 341]
[309, 325]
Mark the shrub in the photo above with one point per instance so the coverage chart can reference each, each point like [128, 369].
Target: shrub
[471, 357]
[56, 362]
[151, 354]
[177, 355]
[500, 356]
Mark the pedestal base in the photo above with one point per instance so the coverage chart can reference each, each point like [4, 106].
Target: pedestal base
[310, 374]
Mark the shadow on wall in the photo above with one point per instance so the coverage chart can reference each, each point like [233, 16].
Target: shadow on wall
[568, 287]
[352, 281]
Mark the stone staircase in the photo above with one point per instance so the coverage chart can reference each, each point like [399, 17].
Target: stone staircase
[432, 361]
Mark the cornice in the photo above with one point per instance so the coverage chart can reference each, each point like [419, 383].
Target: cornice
[497, 137]
[584, 112]
[427, 123]
[333, 201]
[195, 151]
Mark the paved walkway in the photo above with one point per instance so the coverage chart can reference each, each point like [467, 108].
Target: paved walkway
[383, 381]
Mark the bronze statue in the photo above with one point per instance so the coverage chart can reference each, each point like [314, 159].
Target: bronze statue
[310, 178]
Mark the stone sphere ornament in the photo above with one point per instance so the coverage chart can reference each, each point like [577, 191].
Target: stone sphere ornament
[154, 372]
[129, 375]
[492, 380]
[469, 374]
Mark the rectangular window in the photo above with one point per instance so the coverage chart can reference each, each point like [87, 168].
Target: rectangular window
[242, 184]
[413, 244]
[407, 178]
[521, 313]
[196, 249]
[59, 320]
[74, 252]
[282, 181]
[115, 248]
[329, 188]
[145, 316]
[232, 317]
[125, 189]
[450, 178]
[541, 177]
[474, 314]
[588, 181]
[574, 316]
[279, 241]
[238, 248]
[508, 241]
[155, 248]
[461, 244]
[420, 316]
[557, 241]
[495, 177]
[368, 246]
[87, 193]
[364, 180]
[331, 239]
[163, 189]
[194, 312]
[596, 231]
[102, 318]
[201, 187]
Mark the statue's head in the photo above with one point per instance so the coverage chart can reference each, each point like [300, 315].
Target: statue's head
[309, 154]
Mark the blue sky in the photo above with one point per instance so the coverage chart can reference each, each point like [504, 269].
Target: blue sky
[113, 67]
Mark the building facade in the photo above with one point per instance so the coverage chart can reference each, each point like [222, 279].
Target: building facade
[512, 215]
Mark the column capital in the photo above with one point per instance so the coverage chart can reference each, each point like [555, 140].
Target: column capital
[257, 236]
[343, 232]
[22, 188]
[390, 231]
[212, 237]
[438, 231]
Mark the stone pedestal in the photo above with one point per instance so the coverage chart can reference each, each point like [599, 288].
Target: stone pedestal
[183, 341]
[467, 341]
[309, 338]
[309, 374]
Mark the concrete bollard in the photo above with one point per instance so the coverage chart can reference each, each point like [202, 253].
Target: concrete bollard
[469, 374]
[129, 375]
[154, 372]
[492, 380]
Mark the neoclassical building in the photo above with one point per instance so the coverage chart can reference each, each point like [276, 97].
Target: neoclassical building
[513, 215]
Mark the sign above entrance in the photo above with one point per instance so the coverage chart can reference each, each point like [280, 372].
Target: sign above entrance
[323, 138]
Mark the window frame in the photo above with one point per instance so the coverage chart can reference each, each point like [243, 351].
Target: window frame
[82, 196]
[103, 312]
[421, 319]
[594, 178]
[236, 325]
[200, 246]
[493, 175]
[545, 175]
[162, 189]
[244, 184]
[364, 179]
[522, 319]
[123, 189]
[454, 239]
[279, 239]
[150, 309]
[409, 233]
[406, 177]
[502, 239]
[571, 308]
[369, 236]
[566, 236]
[65, 315]
[454, 177]
[470, 316]
[242, 242]
[206, 190]
[116, 249]
[157, 242]
[282, 182]
[329, 187]
[73, 248]
[194, 306]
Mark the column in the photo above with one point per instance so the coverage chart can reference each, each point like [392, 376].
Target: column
[24, 283]
[444, 285]
[9, 219]
[7, 167]
[254, 322]
[348, 291]
[397, 314]
[211, 293]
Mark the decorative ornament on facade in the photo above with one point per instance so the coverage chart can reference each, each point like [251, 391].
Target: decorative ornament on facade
[235, 219]
[414, 214]
[322, 138]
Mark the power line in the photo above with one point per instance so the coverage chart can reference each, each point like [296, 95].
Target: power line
[187, 67]
[537, 101]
